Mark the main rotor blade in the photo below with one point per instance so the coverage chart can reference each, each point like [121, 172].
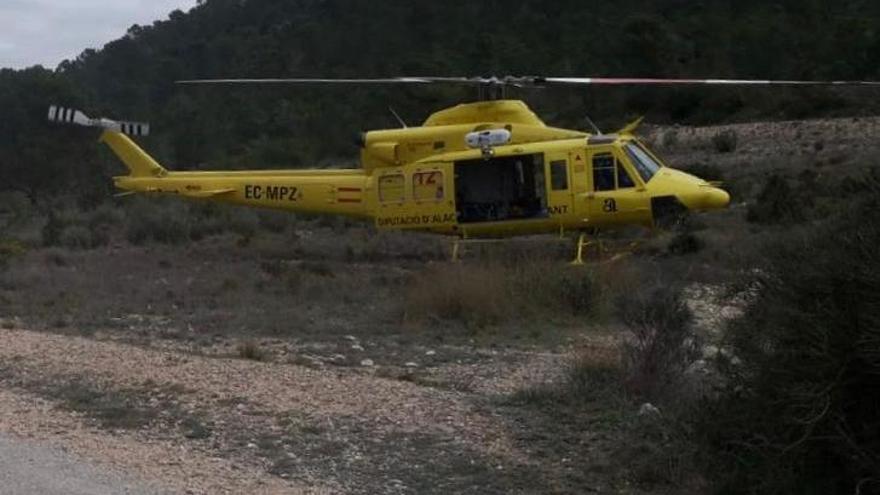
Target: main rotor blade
[531, 81]
[394, 80]
[507, 81]
[610, 81]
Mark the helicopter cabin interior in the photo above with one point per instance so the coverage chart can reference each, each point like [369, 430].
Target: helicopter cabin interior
[500, 188]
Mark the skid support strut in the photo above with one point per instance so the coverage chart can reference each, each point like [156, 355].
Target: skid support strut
[456, 250]
[584, 241]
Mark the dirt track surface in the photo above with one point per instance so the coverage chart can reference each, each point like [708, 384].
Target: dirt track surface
[26, 468]
[259, 427]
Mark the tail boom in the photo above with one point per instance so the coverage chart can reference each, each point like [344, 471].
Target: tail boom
[340, 192]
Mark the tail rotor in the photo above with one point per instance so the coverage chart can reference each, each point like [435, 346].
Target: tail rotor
[70, 116]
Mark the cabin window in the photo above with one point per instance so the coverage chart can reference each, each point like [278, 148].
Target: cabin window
[391, 188]
[604, 166]
[559, 175]
[428, 186]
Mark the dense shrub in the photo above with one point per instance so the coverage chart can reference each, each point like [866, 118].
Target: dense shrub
[158, 223]
[10, 249]
[73, 228]
[243, 221]
[250, 349]
[579, 291]
[51, 232]
[78, 237]
[275, 221]
[669, 139]
[801, 409]
[105, 215]
[704, 171]
[725, 141]
[777, 203]
[684, 243]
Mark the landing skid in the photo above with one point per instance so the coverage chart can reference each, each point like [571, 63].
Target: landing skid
[583, 245]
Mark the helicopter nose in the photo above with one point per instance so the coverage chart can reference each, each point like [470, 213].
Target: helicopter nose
[715, 199]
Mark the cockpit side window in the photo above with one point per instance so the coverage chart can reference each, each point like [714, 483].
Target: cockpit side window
[624, 181]
[604, 167]
[645, 165]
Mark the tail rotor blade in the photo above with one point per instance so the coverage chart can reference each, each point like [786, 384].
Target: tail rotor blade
[69, 116]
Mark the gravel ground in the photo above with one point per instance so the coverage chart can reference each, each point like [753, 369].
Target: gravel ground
[260, 427]
[161, 463]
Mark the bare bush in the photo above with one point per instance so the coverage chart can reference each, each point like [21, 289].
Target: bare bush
[661, 344]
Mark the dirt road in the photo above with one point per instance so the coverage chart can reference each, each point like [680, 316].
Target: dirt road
[27, 467]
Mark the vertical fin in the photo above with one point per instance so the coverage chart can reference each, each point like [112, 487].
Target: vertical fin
[137, 160]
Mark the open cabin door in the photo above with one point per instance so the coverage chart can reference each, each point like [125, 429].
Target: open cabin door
[416, 198]
[500, 189]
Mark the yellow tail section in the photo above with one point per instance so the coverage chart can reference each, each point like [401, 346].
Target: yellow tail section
[336, 192]
[137, 160]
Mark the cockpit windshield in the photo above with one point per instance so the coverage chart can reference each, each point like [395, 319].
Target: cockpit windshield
[644, 163]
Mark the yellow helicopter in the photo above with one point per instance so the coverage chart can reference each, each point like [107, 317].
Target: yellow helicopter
[491, 168]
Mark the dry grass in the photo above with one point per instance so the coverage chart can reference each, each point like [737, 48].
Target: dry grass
[251, 349]
[494, 292]
[469, 294]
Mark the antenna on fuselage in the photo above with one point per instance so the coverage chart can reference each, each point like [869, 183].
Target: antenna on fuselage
[593, 125]
[398, 117]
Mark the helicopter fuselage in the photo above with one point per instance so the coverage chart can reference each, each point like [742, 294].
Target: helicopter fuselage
[429, 178]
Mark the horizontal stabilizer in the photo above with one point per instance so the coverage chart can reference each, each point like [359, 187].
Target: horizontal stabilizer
[209, 194]
[63, 115]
